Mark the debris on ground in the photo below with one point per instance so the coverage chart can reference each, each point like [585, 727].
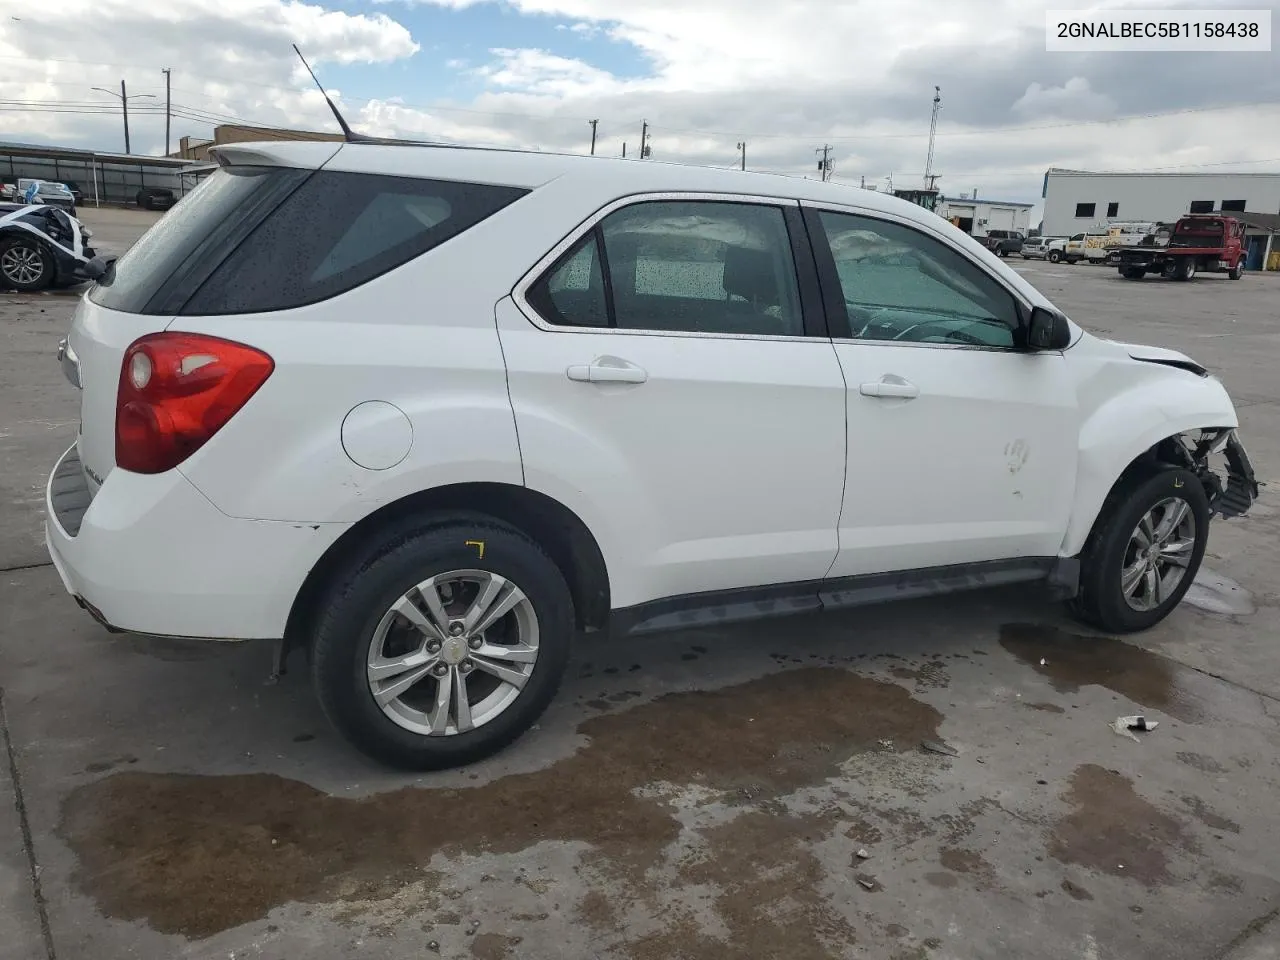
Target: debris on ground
[1124, 726]
[868, 882]
[862, 854]
[886, 744]
[937, 746]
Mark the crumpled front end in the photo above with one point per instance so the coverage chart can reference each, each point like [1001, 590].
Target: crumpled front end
[1220, 460]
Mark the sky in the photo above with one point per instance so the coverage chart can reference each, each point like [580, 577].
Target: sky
[785, 76]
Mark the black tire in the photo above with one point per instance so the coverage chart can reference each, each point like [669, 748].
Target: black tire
[1236, 272]
[1101, 602]
[1132, 273]
[1186, 270]
[1054, 256]
[19, 256]
[377, 577]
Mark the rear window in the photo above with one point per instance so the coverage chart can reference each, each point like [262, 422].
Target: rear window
[338, 231]
[252, 240]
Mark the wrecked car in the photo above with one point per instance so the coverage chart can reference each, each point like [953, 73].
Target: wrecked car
[42, 246]
[499, 400]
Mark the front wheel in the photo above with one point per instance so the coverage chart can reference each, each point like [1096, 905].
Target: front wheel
[1236, 272]
[1132, 273]
[1143, 552]
[440, 647]
[25, 264]
[1054, 256]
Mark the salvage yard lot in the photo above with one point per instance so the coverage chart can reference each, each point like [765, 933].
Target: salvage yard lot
[698, 795]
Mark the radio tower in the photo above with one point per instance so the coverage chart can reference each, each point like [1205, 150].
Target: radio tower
[929, 177]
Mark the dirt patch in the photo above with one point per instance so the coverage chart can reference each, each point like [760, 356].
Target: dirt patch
[1044, 707]
[1071, 661]
[968, 862]
[200, 854]
[493, 946]
[1075, 891]
[1112, 829]
[931, 674]
[1206, 815]
[944, 881]
[1198, 761]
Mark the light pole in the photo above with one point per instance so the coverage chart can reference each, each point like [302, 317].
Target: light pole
[124, 106]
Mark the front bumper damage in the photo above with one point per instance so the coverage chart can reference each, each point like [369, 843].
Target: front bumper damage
[1237, 494]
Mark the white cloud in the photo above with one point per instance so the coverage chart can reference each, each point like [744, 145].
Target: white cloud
[1075, 99]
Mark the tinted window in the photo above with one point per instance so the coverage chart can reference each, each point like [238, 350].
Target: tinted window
[702, 266]
[1113, 209]
[572, 293]
[1233, 205]
[1085, 209]
[224, 199]
[900, 284]
[1201, 206]
[340, 230]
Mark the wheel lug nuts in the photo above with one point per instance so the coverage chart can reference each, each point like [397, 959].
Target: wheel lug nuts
[475, 643]
[433, 646]
[440, 670]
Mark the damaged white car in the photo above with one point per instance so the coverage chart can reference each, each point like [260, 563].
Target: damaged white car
[431, 413]
[42, 246]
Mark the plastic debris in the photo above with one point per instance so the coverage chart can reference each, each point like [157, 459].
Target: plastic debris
[862, 854]
[867, 882]
[1124, 726]
[937, 746]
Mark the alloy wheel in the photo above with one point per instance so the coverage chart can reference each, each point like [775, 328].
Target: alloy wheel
[453, 652]
[21, 264]
[1158, 554]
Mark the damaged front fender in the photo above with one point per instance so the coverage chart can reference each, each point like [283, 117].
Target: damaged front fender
[1234, 495]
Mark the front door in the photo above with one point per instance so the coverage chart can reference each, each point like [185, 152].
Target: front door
[962, 448]
[670, 388]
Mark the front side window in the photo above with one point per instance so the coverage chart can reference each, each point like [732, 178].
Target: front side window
[901, 284]
[678, 266]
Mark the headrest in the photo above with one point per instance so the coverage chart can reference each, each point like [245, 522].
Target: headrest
[749, 273]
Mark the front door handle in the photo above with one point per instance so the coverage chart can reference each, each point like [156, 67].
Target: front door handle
[890, 386]
[607, 370]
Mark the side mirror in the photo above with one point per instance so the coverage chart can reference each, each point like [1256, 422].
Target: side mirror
[95, 268]
[1048, 330]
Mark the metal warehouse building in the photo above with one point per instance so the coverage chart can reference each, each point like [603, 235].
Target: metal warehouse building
[101, 177]
[979, 217]
[1076, 201]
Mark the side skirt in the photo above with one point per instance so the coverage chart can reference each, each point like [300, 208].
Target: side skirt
[813, 596]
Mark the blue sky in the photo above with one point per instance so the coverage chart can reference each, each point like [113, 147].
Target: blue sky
[450, 35]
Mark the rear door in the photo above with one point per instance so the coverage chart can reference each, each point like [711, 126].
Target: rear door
[673, 384]
[962, 447]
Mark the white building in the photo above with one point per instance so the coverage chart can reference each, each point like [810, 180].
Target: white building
[1076, 201]
[977, 217]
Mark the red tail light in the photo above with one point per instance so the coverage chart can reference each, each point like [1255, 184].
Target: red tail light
[176, 391]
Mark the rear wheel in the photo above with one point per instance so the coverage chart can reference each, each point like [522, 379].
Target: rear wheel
[1236, 272]
[1132, 273]
[25, 264]
[1054, 256]
[1143, 552]
[1186, 270]
[440, 647]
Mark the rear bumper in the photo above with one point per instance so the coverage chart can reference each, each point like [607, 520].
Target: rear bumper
[150, 554]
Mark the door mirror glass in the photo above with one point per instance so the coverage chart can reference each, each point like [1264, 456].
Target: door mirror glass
[1048, 330]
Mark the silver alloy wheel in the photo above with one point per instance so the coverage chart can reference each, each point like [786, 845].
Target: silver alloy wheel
[453, 652]
[22, 264]
[1158, 554]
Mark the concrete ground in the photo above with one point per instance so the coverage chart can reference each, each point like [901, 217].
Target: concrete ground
[700, 795]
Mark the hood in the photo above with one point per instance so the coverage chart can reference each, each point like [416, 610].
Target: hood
[1169, 358]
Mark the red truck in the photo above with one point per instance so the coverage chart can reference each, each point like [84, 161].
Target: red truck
[1202, 242]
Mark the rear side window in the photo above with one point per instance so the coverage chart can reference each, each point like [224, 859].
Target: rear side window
[190, 234]
[338, 231]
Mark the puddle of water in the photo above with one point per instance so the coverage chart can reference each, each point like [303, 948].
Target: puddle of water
[1214, 593]
[1112, 829]
[1071, 661]
[199, 854]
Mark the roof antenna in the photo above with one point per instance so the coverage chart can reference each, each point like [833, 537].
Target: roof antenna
[349, 135]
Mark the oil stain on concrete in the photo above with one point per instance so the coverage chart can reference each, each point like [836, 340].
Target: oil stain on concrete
[195, 855]
[1112, 829]
[1070, 661]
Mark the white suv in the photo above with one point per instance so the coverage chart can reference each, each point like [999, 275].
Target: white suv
[430, 412]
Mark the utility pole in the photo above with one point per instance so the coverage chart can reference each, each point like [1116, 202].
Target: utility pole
[168, 109]
[644, 139]
[742, 147]
[824, 165]
[124, 106]
[593, 134]
[624, 149]
[933, 131]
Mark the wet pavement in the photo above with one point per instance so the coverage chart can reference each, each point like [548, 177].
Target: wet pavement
[697, 795]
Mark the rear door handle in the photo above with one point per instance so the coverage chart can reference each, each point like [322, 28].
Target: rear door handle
[890, 386]
[607, 370]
